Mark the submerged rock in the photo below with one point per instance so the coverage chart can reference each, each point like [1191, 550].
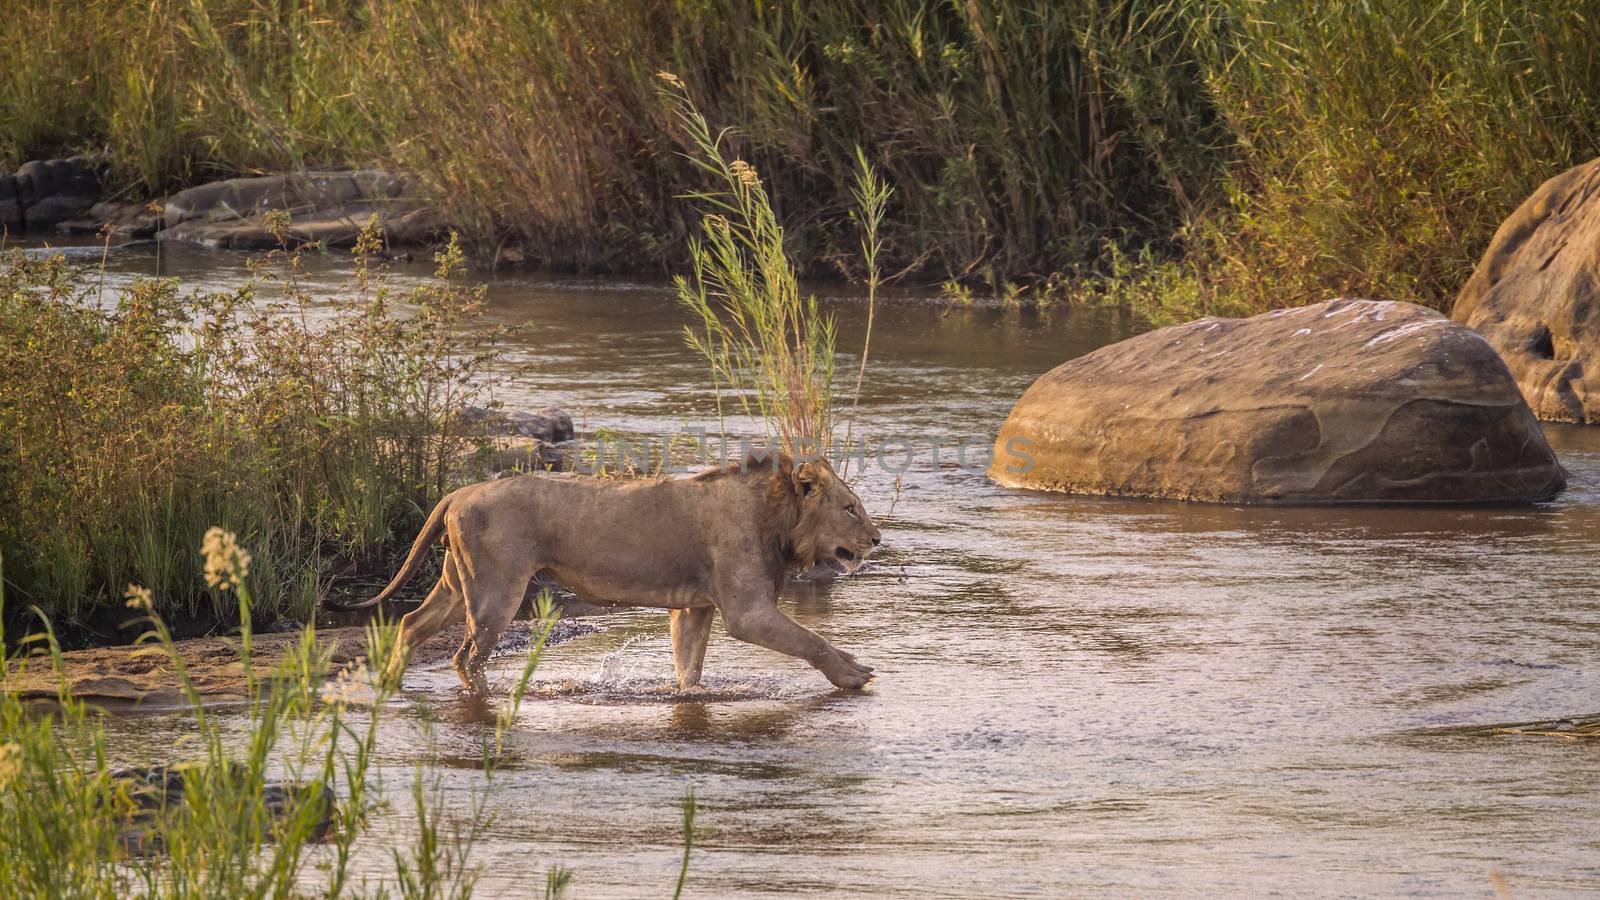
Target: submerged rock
[152, 792]
[552, 425]
[127, 220]
[1348, 401]
[1536, 296]
[323, 207]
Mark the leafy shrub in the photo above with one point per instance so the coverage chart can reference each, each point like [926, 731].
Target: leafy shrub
[320, 431]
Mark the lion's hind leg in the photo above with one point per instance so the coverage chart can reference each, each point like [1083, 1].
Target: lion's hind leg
[691, 631]
[444, 606]
[493, 598]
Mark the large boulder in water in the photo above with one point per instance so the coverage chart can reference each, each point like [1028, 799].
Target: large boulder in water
[1536, 296]
[1349, 401]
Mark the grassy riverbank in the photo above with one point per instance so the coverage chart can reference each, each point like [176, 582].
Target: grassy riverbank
[1238, 154]
[132, 420]
[275, 810]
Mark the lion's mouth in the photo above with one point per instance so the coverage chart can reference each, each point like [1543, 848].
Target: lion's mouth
[843, 561]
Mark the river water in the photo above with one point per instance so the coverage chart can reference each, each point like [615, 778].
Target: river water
[1074, 695]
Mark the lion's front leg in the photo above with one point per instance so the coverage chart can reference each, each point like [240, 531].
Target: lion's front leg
[691, 631]
[763, 624]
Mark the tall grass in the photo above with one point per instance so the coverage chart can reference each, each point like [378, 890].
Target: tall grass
[1376, 147]
[1017, 131]
[1281, 152]
[77, 826]
[318, 430]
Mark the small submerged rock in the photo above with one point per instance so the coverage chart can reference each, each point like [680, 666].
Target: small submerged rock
[1348, 401]
[530, 441]
[135, 221]
[551, 425]
[147, 793]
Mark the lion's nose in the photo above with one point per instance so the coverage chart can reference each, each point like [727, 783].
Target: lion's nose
[876, 540]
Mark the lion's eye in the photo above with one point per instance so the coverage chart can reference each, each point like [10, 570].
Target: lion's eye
[851, 509]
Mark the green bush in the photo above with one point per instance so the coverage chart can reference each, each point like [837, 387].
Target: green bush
[320, 431]
[1379, 145]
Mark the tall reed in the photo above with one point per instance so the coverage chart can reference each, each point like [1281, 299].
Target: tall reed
[268, 810]
[1017, 131]
[1378, 146]
[78, 826]
[766, 343]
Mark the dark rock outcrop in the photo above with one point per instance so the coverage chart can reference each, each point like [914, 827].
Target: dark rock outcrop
[1536, 296]
[529, 441]
[1348, 401]
[43, 193]
[328, 208]
[133, 221]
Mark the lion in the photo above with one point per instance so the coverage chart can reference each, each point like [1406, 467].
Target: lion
[720, 541]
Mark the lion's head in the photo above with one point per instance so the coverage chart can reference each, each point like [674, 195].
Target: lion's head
[832, 527]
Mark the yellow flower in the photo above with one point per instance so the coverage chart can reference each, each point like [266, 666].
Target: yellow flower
[227, 563]
[10, 763]
[745, 172]
[138, 597]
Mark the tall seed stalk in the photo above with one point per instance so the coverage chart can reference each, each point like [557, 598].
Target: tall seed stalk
[871, 196]
[765, 342]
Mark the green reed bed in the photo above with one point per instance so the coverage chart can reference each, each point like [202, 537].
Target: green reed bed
[1374, 148]
[1016, 131]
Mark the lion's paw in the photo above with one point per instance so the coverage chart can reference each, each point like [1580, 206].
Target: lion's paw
[845, 672]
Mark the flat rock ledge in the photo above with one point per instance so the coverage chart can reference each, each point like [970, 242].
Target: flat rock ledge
[327, 208]
[134, 676]
[1347, 401]
[1535, 296]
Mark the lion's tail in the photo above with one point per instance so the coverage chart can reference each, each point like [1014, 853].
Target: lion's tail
[419, 551]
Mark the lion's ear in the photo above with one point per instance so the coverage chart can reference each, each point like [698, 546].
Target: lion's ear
[807, 477]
